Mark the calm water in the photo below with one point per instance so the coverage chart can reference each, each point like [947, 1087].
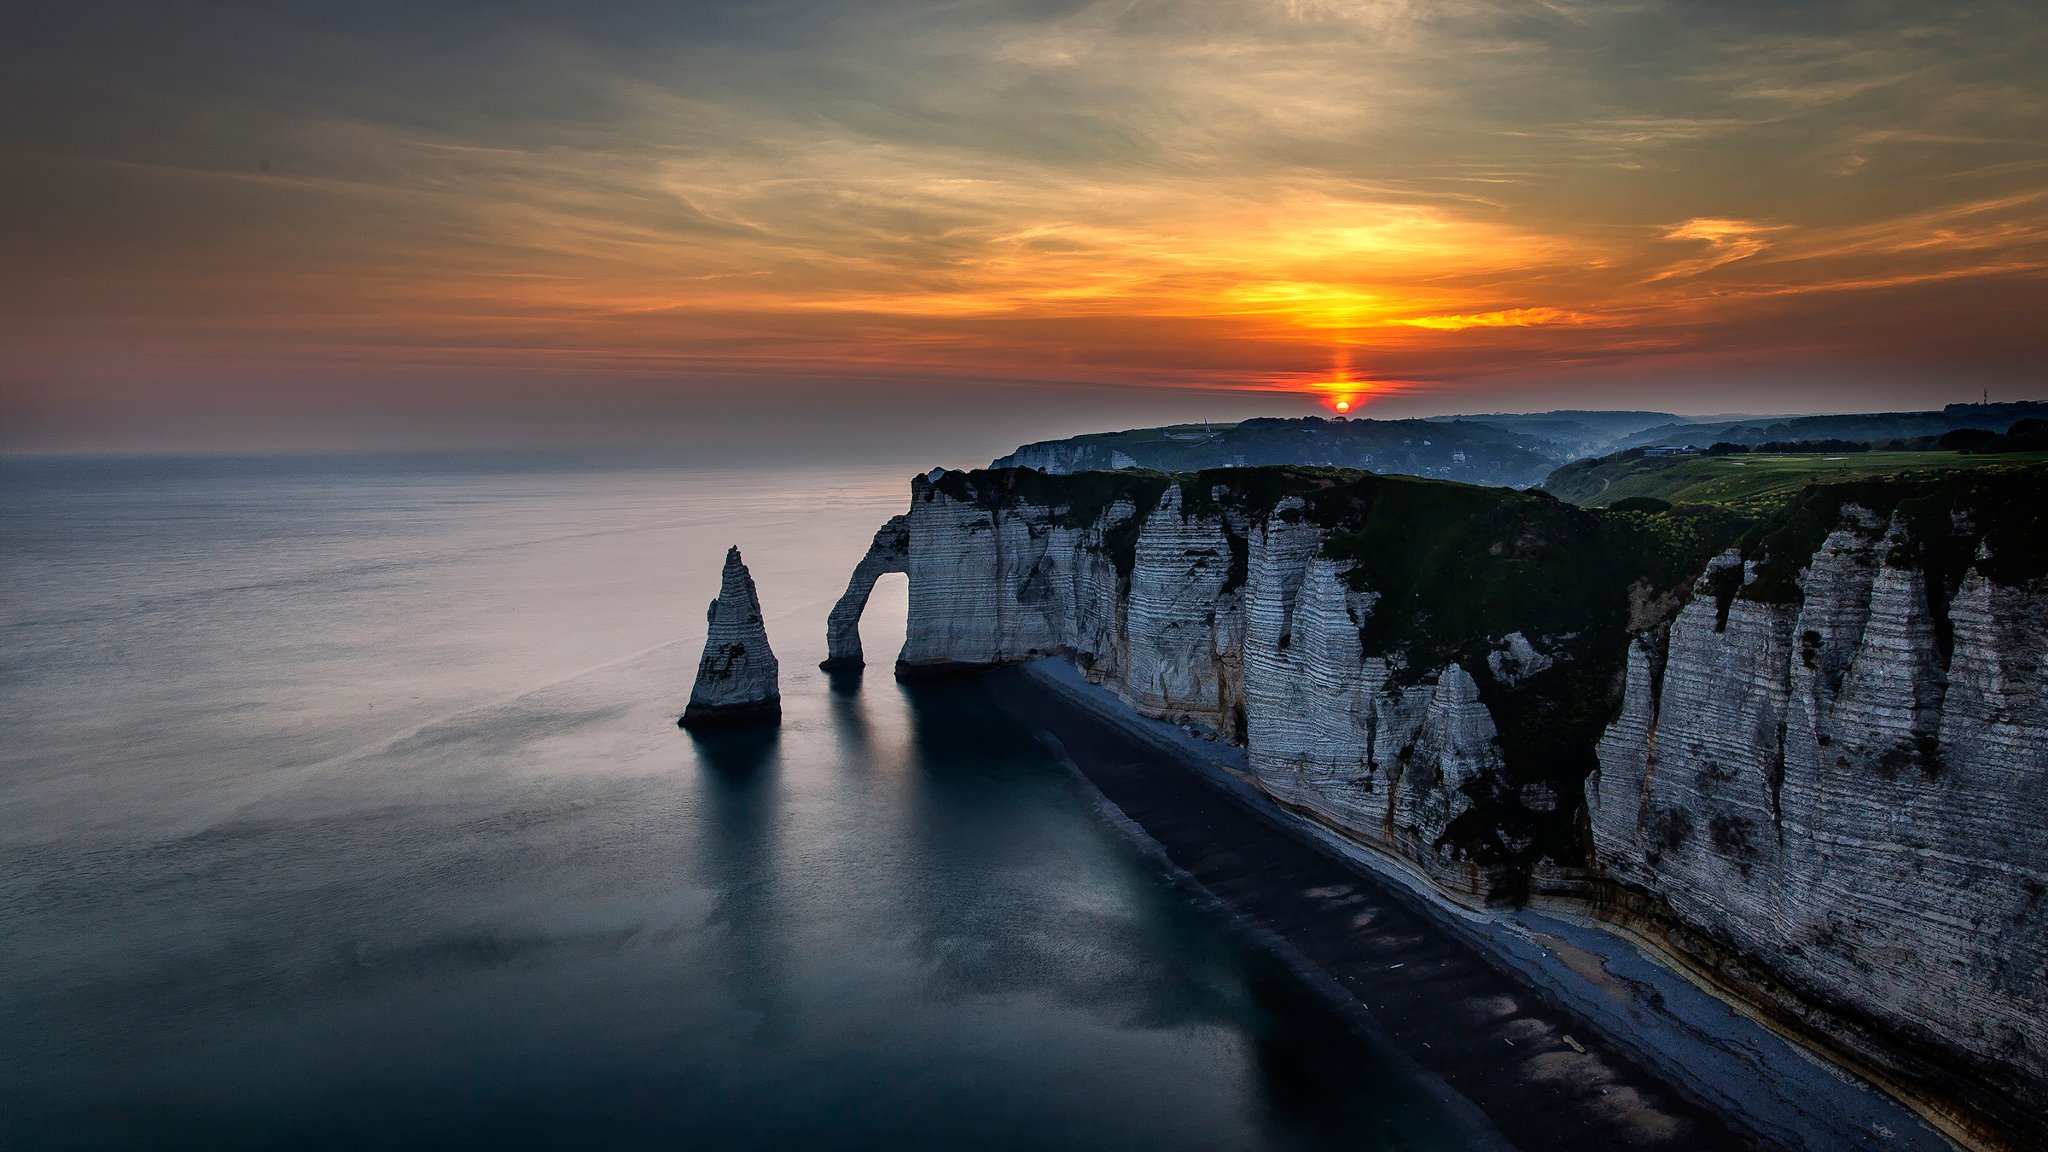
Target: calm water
[341, 805]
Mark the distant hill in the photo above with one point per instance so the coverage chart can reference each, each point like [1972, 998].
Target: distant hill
[1576, 431]
[1872, 426]
[1755, 480]
[1477, 453]
[1523, 449]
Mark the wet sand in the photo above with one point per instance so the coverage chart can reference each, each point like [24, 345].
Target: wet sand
[1561, 1035]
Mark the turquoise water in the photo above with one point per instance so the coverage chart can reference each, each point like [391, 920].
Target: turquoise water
[341, 805]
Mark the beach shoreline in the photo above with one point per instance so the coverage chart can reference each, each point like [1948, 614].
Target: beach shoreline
[1604, 1046]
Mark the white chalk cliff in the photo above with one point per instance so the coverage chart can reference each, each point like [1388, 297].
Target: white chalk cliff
[1812, 792]
[738, 680]
[1833, 803]
[1224, 620]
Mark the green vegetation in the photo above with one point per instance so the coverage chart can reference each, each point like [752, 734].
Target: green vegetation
[1871, 427]
[1754, 485]
[1080, 499]
[1948, 517]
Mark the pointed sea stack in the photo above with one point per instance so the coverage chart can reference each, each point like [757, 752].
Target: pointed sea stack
[738, 680]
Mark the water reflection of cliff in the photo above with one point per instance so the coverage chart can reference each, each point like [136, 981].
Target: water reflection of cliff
[741, 794]
[1015, 889]
[850, 715]
[1019, 890]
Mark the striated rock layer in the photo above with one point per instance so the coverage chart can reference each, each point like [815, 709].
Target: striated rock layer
[1835, 800]
[1408, 697]
[738, 680]
[1807, 756]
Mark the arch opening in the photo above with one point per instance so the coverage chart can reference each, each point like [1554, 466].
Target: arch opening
[888, 553]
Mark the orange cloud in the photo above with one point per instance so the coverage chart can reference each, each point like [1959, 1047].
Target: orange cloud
[1728, 241]
[1198, 194]
[1506, 318]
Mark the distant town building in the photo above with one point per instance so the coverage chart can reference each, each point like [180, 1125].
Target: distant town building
[1671, 450]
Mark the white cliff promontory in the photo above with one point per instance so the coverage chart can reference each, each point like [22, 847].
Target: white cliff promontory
[738, 679]
[1823, 782]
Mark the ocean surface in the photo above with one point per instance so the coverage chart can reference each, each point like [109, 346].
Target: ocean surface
[342, 806]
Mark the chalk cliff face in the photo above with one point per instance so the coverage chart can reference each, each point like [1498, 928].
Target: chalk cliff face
[738, 678]
[1294, 623]
[1845, 791]
[1811, 753]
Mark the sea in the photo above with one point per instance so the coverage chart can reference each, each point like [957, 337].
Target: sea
[342, 805]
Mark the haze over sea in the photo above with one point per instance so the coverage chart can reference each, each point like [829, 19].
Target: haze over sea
[344, 807]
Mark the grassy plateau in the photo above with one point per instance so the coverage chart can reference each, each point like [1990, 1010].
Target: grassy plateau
[1754, 484]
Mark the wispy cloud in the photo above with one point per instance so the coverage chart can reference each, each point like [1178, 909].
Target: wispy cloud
[1726, 240]
[1505, 318]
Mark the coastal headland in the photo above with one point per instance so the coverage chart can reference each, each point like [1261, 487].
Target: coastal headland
[1792, 746]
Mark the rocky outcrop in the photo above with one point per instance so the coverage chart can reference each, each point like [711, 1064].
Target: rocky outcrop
[738, 681]
[1335, 735]
[1808, 754]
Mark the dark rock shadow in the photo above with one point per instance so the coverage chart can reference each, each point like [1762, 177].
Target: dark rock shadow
[993, 812]
[737, 752]
[850, 716]
[750, 949]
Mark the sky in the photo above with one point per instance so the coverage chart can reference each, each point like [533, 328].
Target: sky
[779, 223]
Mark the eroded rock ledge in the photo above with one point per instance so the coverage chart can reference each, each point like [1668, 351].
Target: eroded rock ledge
[1808, 755]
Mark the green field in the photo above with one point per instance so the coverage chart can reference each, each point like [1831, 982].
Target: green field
[1753, 484]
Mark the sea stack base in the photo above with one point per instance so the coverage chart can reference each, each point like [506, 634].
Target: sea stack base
[731, 715]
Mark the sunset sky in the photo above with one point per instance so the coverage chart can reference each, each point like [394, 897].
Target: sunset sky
[400, 224]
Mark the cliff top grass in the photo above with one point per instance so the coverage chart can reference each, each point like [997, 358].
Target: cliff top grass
[1949, 517]
[1080, 497]
[1754, 485]
[1439, 551]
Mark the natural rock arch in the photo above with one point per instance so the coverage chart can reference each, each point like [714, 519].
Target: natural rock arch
[890, 552]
